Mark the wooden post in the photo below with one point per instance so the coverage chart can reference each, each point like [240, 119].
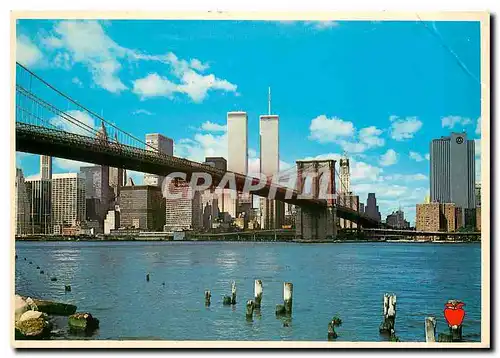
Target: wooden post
[331, 331]
[287, 296]
[250, 307]
[207, 298]
[456, 333]
[147, 277]
[389, 310]
[233, 293]
[430, 329]
[258, 293]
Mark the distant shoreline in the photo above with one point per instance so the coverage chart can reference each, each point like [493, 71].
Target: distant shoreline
[296, 241]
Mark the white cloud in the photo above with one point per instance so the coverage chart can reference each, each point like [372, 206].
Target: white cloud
[87, 43]
[418, 157]
[325, 130]
[153, 85]
[198, 65]
[478, 126]
[77, 81]
[27, 53]
[404, 128]
[336, 130]
[201, 146]
[142, 111]
[389, 158]
[213, 127]
[62, 165]
[322, 25]
[451, 121]
[68, 126]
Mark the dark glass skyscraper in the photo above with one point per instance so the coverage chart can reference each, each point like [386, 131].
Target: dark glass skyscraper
[452, 170]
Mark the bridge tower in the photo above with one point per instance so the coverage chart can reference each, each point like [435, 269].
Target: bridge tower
[316, 180]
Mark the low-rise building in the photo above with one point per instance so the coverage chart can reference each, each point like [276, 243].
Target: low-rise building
[142, 207]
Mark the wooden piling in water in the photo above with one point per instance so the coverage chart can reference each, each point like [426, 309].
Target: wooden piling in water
[207, 297]
[389, 310]
[233, 293]
[258, 293]
[288, 296]
[430, 329]
[147, 277]
[67, 288]
[250, 307]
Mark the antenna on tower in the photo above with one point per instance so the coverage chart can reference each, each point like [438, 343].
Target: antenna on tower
[269, 101]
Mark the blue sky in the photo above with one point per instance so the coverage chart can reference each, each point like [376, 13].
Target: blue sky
[378, 90]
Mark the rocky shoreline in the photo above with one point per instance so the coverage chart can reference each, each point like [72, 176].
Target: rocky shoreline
[36, 319]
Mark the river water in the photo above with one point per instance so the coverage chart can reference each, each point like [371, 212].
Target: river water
[348, 279]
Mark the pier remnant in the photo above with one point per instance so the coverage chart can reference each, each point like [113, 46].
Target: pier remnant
[258, 293]
[207, 297]
[335, 322]
[454, 315]
[147, 277]
[233, 293]
[250, 306]
[286, 307]
[430, 329]
[67, 288]
[42, 272]
[30, 262]
[389, 311]
[38, 267]
[53, 278]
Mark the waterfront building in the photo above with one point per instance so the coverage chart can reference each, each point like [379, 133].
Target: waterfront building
[39, 193]
[112, 221]
[478, 218]
[349, 200]
[371, 208]
[142, 207]
[237, 157]
[361, 208]
[98, 193]
[210, 208]
[428, 217]
[161, 144]
[45, 167]
[452, 170]
[446, 217]
[397, 220]
[183, 211]
[21, 205]
[68, 200]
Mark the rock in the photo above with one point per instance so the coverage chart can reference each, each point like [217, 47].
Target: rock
[42, 272]
[31, 315]
[226, 300]
[53, 278]
[83, 321]
[55, 308]
[33, 328]
[20, 307]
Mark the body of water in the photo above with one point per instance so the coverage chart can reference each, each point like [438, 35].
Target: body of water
[348, 279]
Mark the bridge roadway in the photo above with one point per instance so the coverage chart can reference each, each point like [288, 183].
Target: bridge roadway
[47, 141]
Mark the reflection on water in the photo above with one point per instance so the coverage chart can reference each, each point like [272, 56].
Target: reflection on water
[108, 279]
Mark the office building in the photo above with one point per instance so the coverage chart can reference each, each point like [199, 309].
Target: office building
[112, 220]
[478, 194]
[21, 205]
[237, 156]
[68, 200]
[45, 167]
[446, 217]
[362, 208]
[452, 170]
[98, 193]
[371, 208]
[272, 211]
[39, 194]
[184, 209]
[217, 162]
[397, 220]
[142, 207]
[163, 145]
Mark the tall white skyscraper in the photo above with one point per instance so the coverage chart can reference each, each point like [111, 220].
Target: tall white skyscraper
[164, 145]
[45, 167]
[237, 156]
[272, 211]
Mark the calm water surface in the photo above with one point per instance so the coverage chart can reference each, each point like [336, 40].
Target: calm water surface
[349, 279]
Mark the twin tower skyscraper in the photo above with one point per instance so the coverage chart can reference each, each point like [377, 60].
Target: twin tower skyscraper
[271, 211]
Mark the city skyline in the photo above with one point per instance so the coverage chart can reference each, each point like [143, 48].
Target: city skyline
[387, 139]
